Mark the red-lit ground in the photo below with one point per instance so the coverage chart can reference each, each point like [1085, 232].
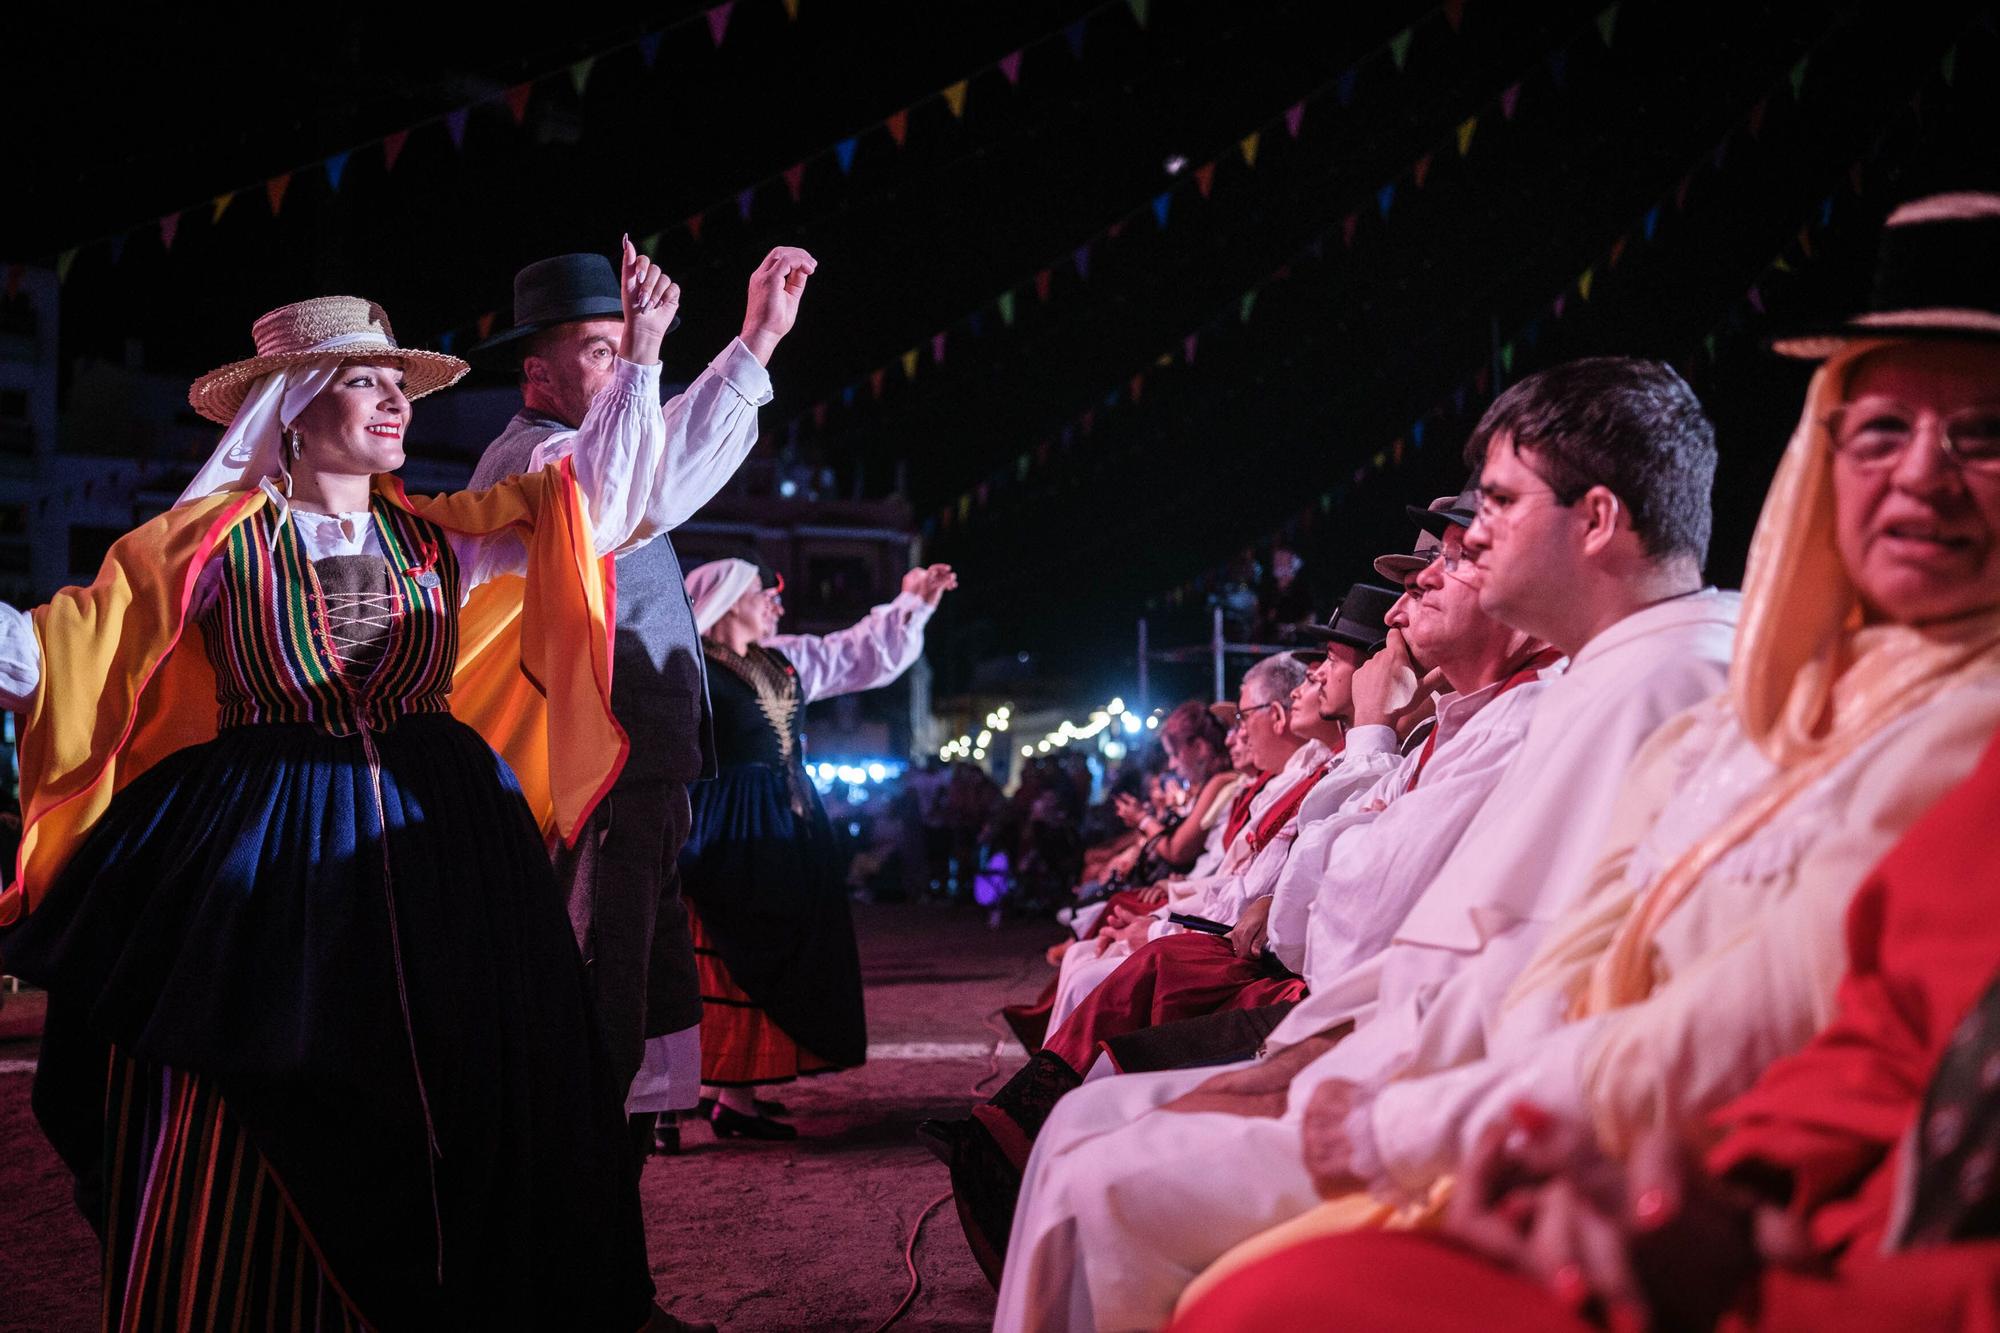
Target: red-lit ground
[807, 1235]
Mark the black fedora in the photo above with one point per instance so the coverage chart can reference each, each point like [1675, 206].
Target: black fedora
[1937, 275]
[556, 291]
[1459, 511]
[1398, 566]
[1357, 622]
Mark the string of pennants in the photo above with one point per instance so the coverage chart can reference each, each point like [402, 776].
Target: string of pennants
[1074, 265]
[511, 105]
[1744, 312]
[1238, 311]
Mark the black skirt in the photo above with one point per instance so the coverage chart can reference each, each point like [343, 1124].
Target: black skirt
[241, 912]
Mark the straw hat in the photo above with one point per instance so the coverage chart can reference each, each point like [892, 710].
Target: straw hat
[1936, 276]
[344, 326]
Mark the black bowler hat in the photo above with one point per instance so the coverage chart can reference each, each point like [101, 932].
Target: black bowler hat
[1357, 623]
[1458, 512]
[556, 291]
[1937, 275]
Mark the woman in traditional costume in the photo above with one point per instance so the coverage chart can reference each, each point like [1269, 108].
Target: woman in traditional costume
[317, 1047]
[773, 938]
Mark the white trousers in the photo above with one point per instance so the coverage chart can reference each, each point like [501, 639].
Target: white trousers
[1082, 969]
[1122, 1204]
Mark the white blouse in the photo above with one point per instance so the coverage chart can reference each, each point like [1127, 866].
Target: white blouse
[866, 655]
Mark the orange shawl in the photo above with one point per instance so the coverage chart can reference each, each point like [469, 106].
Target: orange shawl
[116, 697]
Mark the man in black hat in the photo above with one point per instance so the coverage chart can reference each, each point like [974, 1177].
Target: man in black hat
[623, 893]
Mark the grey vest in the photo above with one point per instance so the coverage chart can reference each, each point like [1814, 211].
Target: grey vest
[659, 685]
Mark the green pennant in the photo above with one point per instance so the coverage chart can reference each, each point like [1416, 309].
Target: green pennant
[579, 73]
[651, 244]
[1799, 76]
[1246, 305]
[1607, 22]
[1708, 345]
[1006, 304]
[63, 261]
[1507, 358]
[1584, 281]
[1399, 46]
[1139, 8]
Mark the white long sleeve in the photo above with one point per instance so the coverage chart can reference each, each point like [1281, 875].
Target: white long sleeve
[20, 659]
[866, 655]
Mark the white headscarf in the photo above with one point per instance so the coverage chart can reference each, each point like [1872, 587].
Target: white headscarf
[717, 586]
[252, 448]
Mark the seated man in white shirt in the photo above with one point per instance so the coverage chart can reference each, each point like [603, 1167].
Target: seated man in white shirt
[1125, 1201]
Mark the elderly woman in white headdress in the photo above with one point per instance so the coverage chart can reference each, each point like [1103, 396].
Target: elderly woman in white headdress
[318, 1047]
[774, 943]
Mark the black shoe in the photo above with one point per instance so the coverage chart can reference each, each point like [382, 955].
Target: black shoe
[769, 1110]
[729, 1124]
[640, 1129]
[667, 1136]
[941, 1137]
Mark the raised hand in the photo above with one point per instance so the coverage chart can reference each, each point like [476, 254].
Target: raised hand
[930, 582]
[650, 299]
[775, 290]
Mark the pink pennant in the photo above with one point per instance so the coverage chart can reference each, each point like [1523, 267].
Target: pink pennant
[937, 349]
[795, 176]
[1294, 116]
[1556, 306]
[392, 148]
[1187, 348]
[718, 21]
[1756, 299]
[1347, 226]
[486, 323]
[1010, 65]
[1510, 97]
[170, 226]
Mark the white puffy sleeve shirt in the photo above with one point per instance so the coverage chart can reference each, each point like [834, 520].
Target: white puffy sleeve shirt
[866, 655]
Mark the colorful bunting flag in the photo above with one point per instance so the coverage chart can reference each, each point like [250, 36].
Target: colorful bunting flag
[1080, 259]
[170, 226]
[1245, 304]
[1161, 202]
[937, 348]
[1136, 385]
[1010, 65]
[649, 47]
[1187, 348]
[1139, 8]
[1006, 304]
[1510, 97]
[910, 364]
[274, 191]
[1607, 23]
[392, 148]
[1466, 128]
[1294, 117]
[843, 153]
[1204, 178]
[875, 378]
[1948, 66]
[63, 261]
[744, 198]
[335, 165]
[1798, 75]
[954, 97]
[718, 21]
[1344, 87]
[220, 205]
[1422, 170]
[1651, 222]
[1559, 68]
[795, 176]
[694, 227]
[1248, 145]
[898, 125]
[1584, 282]
[1399, 46]
[1347, 227]
[454, 124]
[517, 100]
[1043, 281]
[1073, 34]
[1384, 197]
[792, 10]
[1454, 13]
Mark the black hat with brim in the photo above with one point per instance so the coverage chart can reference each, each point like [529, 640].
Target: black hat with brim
[1937, 277]
[1358, 622]
[1458, 512]
[550, 292]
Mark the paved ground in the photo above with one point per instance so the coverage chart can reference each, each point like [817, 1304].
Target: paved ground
[807, 1235]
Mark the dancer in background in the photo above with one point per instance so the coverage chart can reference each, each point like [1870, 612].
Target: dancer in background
[774, 942]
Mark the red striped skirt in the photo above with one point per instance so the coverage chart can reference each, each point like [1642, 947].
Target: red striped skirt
[740, 1044]
[199, 1232]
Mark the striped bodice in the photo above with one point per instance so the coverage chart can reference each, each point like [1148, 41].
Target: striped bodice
[280, 644]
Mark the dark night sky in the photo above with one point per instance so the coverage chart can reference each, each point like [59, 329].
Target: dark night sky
[113, 124]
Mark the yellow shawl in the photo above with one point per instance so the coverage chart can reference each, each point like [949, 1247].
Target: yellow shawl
[116, 697]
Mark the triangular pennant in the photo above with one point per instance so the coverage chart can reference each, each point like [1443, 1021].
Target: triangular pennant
[1556, 306]
[649, 49]
[1074, 35]
[1466, 129]
[1399, 46]
[1006, 304]
[1617, 251]
[486, 322]
[1507, 358]
[898, 125]
[220, 205]
[170, 226]
[1585, 281]
[694, 227]
[1139, 8]
[1204, 178]
[1245, 304]
[795, 176]
[1756, 298]
[718, 21]
[1948, 66]
[1294, 115]
[1344, 86]
[744, 198]
[1187, 348]
[937, 348]
[1559, 68]
[1161, 202]
[1651, 223]
[1248, 145]
[1021, 467]
[335, 165]
[651, 244]
[1043, 281]
[63, 261]
[910, 364]
[954, 97]
[1510, 97]
[1385, 197]
[1347, 227]
[1136, 386]
[1080, 258]
[791, 11]
[1454, 13]
[517, 101]
[579, 73]
[392, 148]
[454, 124]
[1010, 65]
[875, 379]
[1422, 170]
[1782, 264]
[1826, 211]
[1607, 23]
[1798, 75]
[843, 153]
[447, 339]
[274, 191]
[847, 394]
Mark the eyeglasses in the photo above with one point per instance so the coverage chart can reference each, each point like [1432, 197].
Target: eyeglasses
[1875, 433]
[1244, 711]
[1497, 505]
